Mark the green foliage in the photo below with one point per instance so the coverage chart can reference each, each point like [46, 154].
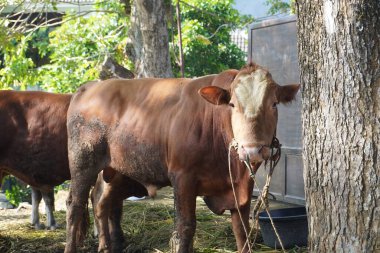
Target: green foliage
[207, 46]
[64, 186]
[17, 69]
[38, 45]
[279, 6]
[61, 59]
[79, 46]
[18, 193]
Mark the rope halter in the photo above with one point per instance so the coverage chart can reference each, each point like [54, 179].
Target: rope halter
[275, 148]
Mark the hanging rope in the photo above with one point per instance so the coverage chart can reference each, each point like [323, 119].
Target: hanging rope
[174, 239]
[174, 242]
[233, 145]
[262, 202]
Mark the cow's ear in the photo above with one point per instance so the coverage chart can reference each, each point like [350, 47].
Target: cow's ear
[215, 95]
[287, 93]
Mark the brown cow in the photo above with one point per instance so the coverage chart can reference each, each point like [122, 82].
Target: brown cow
[161, 132]
[33, 146]
[33, 143]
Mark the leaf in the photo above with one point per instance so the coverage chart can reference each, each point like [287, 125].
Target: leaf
[202, 39]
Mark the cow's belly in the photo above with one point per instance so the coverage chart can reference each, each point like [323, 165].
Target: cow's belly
[139, 159]
[37, 161]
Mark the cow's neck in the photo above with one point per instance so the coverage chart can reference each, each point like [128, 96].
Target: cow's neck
[242, 185]
[222, 133]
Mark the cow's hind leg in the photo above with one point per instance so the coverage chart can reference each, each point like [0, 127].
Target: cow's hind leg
[87, 150]
[116, 232]
[49, 207]
[36, 199]
[107, 213]
[84, 169]
[185, 203]
[102, 212]
[77, 210]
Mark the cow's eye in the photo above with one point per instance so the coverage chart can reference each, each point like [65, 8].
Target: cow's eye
[231, 104]
[274, 106]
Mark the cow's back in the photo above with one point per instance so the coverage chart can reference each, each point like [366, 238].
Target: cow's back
[33, 136]
[127, 123]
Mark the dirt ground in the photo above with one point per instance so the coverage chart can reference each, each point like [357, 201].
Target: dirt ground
[21, 215]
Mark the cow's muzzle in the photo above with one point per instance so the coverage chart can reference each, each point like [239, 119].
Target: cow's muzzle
[253, 155]
[258, 153]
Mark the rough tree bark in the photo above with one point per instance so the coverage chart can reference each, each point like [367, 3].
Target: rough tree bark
[148, 45]
[339, 55]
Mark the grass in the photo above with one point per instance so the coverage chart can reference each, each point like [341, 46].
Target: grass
[147, 226]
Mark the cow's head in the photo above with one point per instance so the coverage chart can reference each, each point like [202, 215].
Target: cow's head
[253, 98]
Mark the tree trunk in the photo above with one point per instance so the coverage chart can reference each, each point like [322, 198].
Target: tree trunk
[148, 41]
[339, 55]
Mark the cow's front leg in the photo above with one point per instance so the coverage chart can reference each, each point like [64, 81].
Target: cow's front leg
[185, 203]
[36, 199]
[49, 207]
[240, 226]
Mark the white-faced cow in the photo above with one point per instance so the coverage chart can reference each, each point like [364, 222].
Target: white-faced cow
[174, 132]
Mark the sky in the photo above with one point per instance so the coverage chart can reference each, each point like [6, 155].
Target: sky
[256, 8]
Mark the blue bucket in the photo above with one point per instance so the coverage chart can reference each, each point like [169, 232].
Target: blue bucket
[291, 225]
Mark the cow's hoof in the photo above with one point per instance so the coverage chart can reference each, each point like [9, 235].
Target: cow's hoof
[52, 227]
[38, 226]
[117, 248]
[104, 249]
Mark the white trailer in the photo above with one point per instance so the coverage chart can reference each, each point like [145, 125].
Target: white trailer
[272, 43]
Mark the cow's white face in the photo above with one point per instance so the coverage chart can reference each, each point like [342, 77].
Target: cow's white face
[250, 92]
[253, 100]
[254, 113]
